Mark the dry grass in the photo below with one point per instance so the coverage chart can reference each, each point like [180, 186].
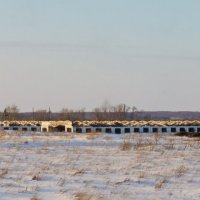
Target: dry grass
[26, 142]
[142, 174]
[109, 169]
[34, 198]
[126, 145]
[61, 182]
[92, 135]
[157, 138]
[123, 181]
[139, 143]
[170, 145]
[78, 172]
[84, 196]
[37, 177]
[160, 183]
[180, 171]
[3, 173]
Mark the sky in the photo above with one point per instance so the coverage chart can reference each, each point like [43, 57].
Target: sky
[77, 54]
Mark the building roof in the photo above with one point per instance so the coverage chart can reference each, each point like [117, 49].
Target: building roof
[35, 123]
[20, 123]
[57, 123]
[136, 123]
[101, 123]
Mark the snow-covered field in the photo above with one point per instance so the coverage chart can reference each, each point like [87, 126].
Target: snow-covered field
[98, 166]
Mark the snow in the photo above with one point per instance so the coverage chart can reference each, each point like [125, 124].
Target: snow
[96, 166]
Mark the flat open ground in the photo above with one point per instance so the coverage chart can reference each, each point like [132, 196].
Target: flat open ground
[98, 166]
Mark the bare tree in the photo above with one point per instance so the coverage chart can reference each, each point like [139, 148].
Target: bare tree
[69, 114]
[116, 112]
[41, 115]
[11, 112]
[97, 114]
[103, 112]
[134, 112]
[119, 112]
[81, 114]
[1, 115]
[66, 114]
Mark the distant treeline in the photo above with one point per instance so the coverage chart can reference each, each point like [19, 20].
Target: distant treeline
[104, 112]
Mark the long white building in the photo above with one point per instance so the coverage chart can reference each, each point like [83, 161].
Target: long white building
[115, 127]
[120, 127]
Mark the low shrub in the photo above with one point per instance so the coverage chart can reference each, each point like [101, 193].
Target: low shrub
[188, 134]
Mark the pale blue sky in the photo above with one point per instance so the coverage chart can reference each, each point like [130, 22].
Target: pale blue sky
[78, 53]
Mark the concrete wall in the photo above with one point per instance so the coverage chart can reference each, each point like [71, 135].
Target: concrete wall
[139, 129]
[46, 127]
[21, 128]
[115, 130]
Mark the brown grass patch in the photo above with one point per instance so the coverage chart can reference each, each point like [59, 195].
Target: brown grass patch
[160, 183]
[37, 177]
[126, 146]
[34, 198]
[83, 196]
[3, 173]
[78, 172]
[92, 135]
[180, 171]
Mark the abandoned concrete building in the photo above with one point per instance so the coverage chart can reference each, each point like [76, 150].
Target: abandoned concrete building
[23, 126]
[120, 127]
[57, 126]
[115, 127]
[33, 126]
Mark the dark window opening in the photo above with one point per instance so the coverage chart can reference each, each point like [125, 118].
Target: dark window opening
[69, 130]
[79, 130]
[52, 129]
[88, 130]
[191, 130]
[6, 128]
[198, 130]
[15, 128]
[108, 130]
[24, 129]
[44, 129]
[164, 130]
[60, 128]
[146, 130]
[98, 130]
[136, 130]
[182, 130]
[118, 131]
[173, 130]
[155, 130]
[127, 130]
[33, 129]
